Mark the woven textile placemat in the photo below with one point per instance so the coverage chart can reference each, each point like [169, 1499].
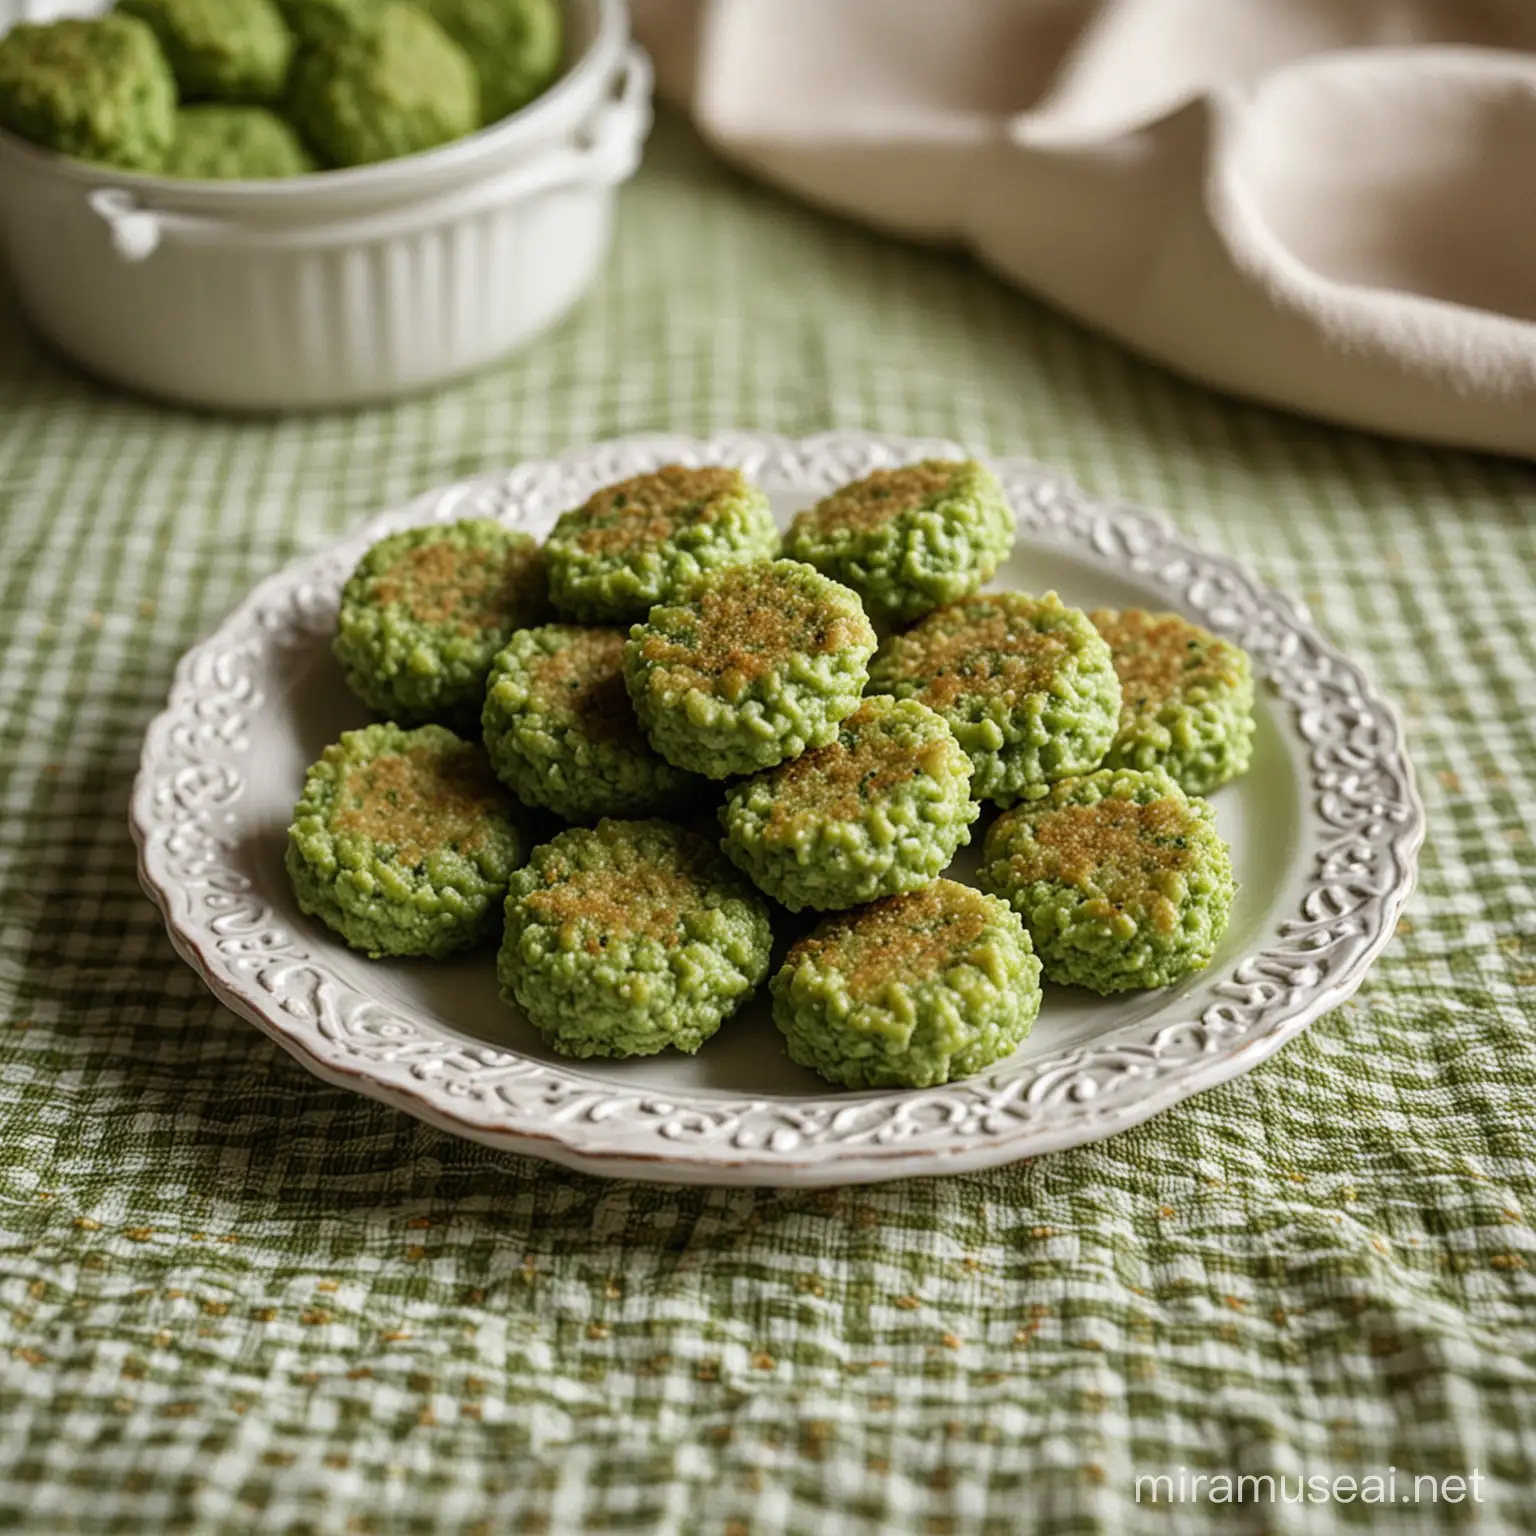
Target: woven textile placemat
[233, 1298]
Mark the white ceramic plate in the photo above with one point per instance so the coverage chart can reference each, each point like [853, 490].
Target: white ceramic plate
[1325, 831]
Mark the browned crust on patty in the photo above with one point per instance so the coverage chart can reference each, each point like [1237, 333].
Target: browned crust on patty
[418, 801]
[912, 938]
[987, 644]
[1114, 848]
[1157, 655]
[438, 583]
[878, 497]
[751, 619]
[585, 678]
[649, 509]
[829, 782]
[609, 903]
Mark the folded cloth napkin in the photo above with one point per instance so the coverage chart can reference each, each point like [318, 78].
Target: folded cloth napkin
[1323, 204]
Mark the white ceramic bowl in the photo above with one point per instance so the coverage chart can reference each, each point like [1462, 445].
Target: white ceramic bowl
[344, 286]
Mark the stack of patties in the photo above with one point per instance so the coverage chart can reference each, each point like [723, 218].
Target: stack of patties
[687, 667]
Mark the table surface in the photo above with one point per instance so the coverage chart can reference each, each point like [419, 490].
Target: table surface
[233, 1298]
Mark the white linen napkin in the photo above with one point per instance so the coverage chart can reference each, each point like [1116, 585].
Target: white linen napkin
[1328, 205]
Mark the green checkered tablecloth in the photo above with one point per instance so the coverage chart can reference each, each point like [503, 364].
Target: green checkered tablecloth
[233, 1298]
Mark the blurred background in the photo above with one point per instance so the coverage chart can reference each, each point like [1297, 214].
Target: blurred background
[1312, 205]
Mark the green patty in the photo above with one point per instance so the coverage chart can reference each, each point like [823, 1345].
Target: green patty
[216, 143]
[1187, 699]
[643, 541]
[513, 44]
[98, 90]
[756, 664]
[221, 50]
[393, 87]
[908, 540]
[1122, 880]
[910, 992]
[879, 810]
[1026, 683]
[629, 937]
[426, 612]
[562, 733]
[402, 842]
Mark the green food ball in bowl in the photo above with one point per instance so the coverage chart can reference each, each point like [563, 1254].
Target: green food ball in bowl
[224, 143]
[397, 87]
[99, 90]
[316, 23]
[513, 44]
[220, 50]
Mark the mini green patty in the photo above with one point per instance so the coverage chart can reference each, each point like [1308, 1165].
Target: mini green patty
[629, 937]
[96, 89]
[1187, 699]
[912, 991]
[644, 540]
[562, 732]
[218, 143]
[513, 44]
[426, 612]
[394, 86]
[877, 811]
[756, 664]
[403, 841]
[908, 540]
[1026, 683]
[1122, 880]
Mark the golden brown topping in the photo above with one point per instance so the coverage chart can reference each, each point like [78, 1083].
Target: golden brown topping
[877, 498]
[833, 782]
[611, 903]
[979, 646]
[934, 756]
[418, 801]
[585, 676]
[908, 938]
[1121, 852]
[437, 582]
[1157, 654]
[750, 619]
[650, 508]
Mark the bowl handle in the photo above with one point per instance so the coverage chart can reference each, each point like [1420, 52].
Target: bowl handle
[605, 153]
[135, 231]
